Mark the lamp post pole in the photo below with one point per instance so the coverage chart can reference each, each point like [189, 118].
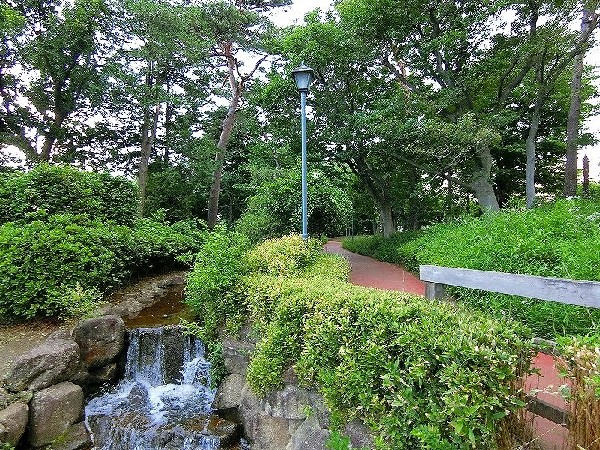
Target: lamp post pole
[304, 170]
[304, 76]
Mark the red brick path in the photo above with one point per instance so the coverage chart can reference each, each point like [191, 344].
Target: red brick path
[369, 272]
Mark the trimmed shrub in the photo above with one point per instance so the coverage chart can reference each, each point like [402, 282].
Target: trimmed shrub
[66, 190]
[414, 370]
[421, 374]
[557, 240]
[213, 286]
[46, 266]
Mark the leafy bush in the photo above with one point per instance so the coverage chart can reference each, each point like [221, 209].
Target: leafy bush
[558, 240]
[275, 210]
[66, 190]
[581, 366]
[416, 371]
[213, 285]
[52, 266]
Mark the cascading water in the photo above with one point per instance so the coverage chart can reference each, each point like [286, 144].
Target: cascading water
[164, 402]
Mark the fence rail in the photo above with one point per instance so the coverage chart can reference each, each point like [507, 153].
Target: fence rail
[572, 292]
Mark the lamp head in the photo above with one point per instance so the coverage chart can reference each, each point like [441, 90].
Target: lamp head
[304, 76]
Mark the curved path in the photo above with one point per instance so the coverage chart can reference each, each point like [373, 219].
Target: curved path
[369, 272]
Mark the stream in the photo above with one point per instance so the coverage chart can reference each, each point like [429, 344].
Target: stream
[164, 400]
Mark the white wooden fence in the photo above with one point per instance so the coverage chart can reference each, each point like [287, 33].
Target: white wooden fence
[572, 292]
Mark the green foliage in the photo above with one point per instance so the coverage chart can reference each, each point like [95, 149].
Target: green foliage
[212, 286]
[414, 370]
[66, 190]
[56, 266]
[401, 363]
[275, 209]
[288, 255]
[557, 240]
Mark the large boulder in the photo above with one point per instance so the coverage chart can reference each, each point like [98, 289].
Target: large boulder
[13, 421]
[52, 362]
[76, 437]
[293, 402]
[53, 411]
[309, 436]
[229, 392]
[101, 340]
[360, 435]
[236, 355]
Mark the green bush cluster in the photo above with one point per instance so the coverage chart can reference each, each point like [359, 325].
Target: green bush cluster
[66, 190]
[420, 374]
[561, 239]
[49, 267]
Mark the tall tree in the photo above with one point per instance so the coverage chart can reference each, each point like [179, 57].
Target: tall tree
[574, 119]
[58, 50]
[235, 28]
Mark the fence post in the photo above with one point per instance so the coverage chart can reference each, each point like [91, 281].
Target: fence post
[435, 291]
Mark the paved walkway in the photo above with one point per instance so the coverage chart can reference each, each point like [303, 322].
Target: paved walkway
[369, 272]
[372, 273]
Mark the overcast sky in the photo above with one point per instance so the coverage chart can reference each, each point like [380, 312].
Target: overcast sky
[294, 14]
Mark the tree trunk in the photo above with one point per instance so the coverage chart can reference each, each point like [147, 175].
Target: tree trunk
[530, 148]
[387, 219]
[150, 125]
[570, 184]
[228, 123]
[481, 184]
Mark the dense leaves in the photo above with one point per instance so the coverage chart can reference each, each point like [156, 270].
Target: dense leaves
[64, 190]
[557, 240]
[380, 356]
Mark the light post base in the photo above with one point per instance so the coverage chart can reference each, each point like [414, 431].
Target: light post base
[305, 237]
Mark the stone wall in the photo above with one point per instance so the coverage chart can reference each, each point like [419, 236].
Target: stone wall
[293, 418]
[42, 397]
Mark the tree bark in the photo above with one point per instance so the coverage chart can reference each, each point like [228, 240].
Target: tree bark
[387, 218]
[530, 148]
[570, 183]
[149, 129]
[480, 183]
[236, 87]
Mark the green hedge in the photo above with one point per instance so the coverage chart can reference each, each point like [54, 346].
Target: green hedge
[46, 265]
[421, 374]
[558, 240]
[66, 190]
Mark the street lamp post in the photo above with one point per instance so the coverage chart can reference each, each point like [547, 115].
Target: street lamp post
[304, 76]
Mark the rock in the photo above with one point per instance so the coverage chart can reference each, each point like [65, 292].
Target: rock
[270, 433]
[51, 362]
[309, 436]
[93, 380]
[360, 435]
[62, 334]
[53, 411]
[101, 340]
[236, 355]
[292, 402]
[13, 421]
[76, 437]
[229, 393]
[175, 280]
[7, 398]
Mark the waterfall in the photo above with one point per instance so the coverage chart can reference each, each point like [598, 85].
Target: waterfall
[163, 402]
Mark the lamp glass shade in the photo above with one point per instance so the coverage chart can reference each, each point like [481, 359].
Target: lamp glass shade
[304, 76]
